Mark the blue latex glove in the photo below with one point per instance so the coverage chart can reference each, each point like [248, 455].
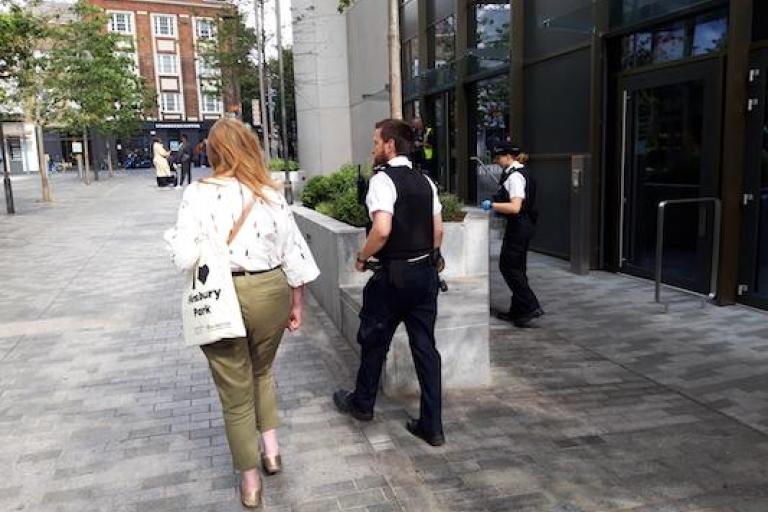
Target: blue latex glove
[486, 205]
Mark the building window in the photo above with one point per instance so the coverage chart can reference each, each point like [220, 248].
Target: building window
[695, 36]
[205, 29]
[206, 69]
[442, 36]
[411, 58]
[211, 103]
[490, 22]
[170, 102]
[166, 64]
[121, 22]
[165, 25]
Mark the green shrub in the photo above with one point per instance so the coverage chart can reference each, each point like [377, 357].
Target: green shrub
[347, 209]
[452, 208]
[316, 190]
[325, 207]
[278, 165]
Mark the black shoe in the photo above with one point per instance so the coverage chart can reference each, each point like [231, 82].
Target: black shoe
[503, 315]
[343, 400]
[524, 320]
[434, 439]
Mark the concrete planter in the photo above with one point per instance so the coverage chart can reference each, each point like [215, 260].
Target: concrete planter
[462, 329]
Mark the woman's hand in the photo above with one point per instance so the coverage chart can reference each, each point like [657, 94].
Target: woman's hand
[294, 319]
[297, 308]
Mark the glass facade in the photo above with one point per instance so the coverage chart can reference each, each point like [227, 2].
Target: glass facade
[679, 40]
[410, 59]
[491, 104]
[628, 12]
[442, 39]
[490, 24]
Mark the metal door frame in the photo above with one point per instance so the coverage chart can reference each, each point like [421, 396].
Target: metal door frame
[756, 118]
[709, 71]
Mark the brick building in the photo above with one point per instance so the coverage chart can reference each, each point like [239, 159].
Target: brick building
[165, 37]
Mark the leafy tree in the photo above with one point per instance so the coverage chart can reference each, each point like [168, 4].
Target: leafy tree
[23, 70]
[93, 78]
[227, 57]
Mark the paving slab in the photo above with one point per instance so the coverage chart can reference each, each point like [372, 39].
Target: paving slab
[103, 408]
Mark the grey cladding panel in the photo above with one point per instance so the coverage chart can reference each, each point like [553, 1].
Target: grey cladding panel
[553, 201]
[557, 105]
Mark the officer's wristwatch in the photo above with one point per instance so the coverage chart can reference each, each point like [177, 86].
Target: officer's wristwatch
[359, 260]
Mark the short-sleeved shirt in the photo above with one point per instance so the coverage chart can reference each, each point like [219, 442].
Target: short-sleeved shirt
[515, 184]
[382, 193]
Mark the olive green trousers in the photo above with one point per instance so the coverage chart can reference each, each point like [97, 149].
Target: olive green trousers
[242, 367]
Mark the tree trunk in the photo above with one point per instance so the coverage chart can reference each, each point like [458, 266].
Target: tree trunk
[109, 158]
[6, 175]
[85, 157]
[45, 185]
[395, 78]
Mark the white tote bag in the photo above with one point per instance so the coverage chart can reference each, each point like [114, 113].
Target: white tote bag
[210, 307]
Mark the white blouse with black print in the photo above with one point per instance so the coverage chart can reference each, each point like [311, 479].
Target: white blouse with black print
[268, 239]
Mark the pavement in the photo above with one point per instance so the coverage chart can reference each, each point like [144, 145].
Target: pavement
[607, 405]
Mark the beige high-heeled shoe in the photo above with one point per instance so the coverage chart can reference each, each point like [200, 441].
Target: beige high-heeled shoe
[272, 464]
[251, 499]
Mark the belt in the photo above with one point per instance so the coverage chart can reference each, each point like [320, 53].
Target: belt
[424, 259]
[241, 273]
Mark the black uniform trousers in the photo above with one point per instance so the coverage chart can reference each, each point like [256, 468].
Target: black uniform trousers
[413, 301]
[513, 263]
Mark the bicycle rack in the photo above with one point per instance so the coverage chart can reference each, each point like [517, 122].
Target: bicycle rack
[716, 221]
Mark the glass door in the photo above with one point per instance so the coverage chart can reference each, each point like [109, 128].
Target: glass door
[670, 151]
[443, 115]
[754, 266]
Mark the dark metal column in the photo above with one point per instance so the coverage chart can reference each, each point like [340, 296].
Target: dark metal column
[517, 58]
[601, 18]
[734, 136]
[462, 114]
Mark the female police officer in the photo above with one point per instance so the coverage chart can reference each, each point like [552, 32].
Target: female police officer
[516, 200]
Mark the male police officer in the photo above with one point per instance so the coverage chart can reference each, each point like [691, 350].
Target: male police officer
[407, 229]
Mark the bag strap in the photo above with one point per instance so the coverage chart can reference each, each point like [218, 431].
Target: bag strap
[239, 224]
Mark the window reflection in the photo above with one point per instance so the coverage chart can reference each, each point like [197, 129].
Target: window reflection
[689, 38]
[709, 35]
[492, 121]
[411, 58]
[443, 36]
[490, 33]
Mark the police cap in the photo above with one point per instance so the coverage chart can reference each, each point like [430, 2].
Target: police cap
[505, 148]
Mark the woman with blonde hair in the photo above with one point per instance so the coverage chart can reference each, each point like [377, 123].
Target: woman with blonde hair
[270, 264]
[160, 161]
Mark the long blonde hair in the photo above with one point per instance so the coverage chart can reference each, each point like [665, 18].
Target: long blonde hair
[522, 158]
[234, 150]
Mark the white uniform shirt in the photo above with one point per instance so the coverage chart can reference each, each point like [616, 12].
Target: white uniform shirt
[269, 238]
[382, 192]
[515, 184]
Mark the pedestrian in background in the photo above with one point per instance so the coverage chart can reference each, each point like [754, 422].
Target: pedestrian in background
[160, 161]
[405, 238]
[270, 264]
[516, 200]
[184, 159]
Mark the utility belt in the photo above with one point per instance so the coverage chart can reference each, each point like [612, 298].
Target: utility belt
[396, 268]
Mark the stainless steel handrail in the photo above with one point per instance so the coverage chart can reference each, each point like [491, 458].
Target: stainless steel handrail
[716, 221]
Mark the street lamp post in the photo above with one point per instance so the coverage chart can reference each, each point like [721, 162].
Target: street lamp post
[9, 206]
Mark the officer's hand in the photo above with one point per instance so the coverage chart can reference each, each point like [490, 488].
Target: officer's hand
[360, 266]
[487, 205]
